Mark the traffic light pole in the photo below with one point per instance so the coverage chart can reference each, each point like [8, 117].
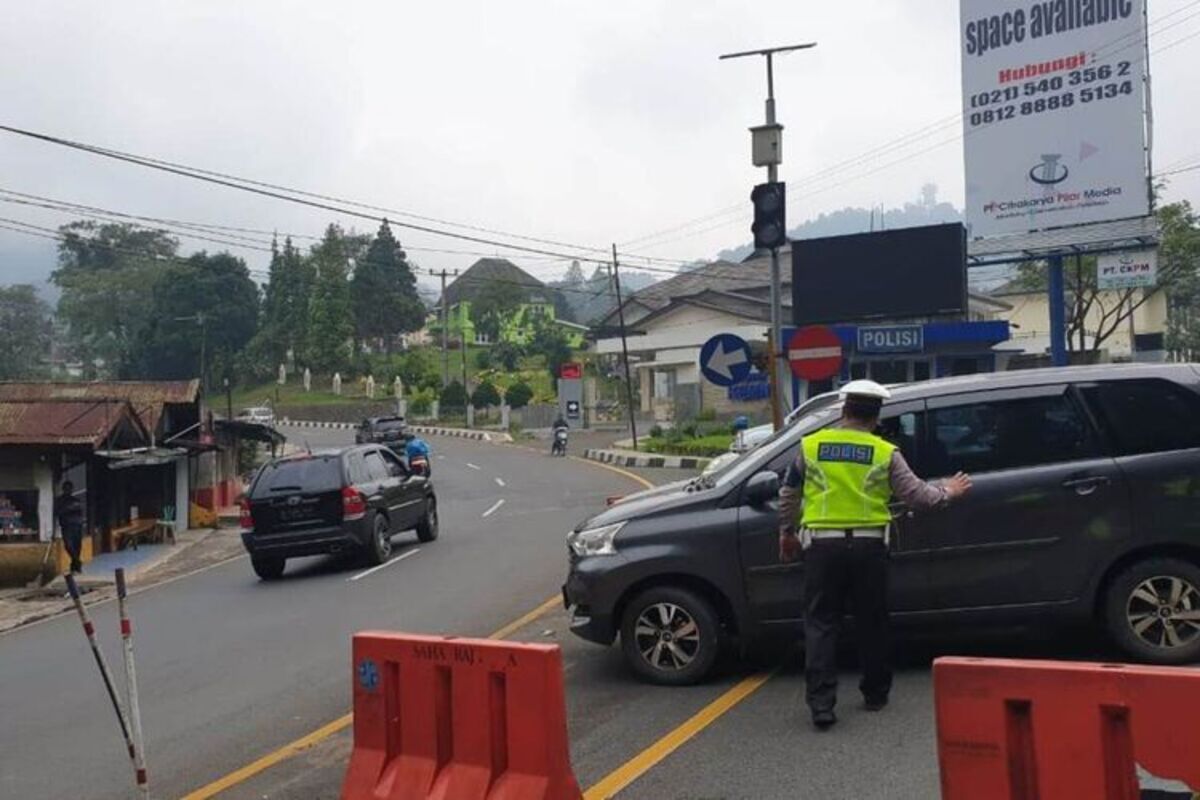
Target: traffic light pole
[776, 349]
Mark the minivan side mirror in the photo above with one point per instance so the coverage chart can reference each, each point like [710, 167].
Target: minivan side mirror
[761, 489]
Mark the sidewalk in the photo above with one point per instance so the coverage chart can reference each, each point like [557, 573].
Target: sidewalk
[146, 566]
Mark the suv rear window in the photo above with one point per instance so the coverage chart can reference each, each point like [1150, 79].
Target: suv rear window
[390, 425]
[317, 474]
[1148, 416]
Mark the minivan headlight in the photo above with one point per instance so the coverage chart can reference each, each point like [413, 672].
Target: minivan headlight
[595, 541]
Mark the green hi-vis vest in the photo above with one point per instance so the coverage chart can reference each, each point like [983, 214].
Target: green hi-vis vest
[846, 480]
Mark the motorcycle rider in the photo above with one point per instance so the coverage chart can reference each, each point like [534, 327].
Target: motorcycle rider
[416, 450]
[560, 424]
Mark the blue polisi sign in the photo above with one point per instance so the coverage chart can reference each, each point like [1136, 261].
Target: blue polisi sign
[725, 359]
[891, 339]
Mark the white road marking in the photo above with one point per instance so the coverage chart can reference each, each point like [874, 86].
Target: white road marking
[500, 481]
[494, 508]
[395, 560]
[472, 466]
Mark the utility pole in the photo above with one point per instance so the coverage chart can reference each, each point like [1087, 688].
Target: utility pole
[624, 348]
[445, 325]
[769, 137]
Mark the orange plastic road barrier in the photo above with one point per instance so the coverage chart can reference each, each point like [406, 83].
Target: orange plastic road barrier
[457, 719]
[1042, 730]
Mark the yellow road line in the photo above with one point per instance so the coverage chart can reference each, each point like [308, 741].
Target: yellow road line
[516, 625]
[637, 766]
[329, 729]
[636, 478]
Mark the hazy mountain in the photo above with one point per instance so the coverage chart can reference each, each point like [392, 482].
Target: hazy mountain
[592, 298]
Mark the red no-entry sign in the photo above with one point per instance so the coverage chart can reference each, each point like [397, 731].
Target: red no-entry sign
[815, 353]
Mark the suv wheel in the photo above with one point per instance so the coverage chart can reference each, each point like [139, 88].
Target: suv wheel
[670, 636]
[380, 548]
[268, 568]
[1153, 611]
[427, 528]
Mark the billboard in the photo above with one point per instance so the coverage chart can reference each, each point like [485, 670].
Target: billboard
[897, 274]
[1052, 113]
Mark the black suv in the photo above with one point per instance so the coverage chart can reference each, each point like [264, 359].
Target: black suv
[327, 502]
[1086, 507]
[388, 431]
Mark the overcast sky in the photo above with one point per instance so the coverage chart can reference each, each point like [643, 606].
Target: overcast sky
[605, 123]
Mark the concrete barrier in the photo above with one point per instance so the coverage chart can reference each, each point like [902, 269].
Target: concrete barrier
[645, 460]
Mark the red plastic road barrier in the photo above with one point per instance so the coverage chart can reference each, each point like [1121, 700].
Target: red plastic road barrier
[457, 719]
[1029, 730]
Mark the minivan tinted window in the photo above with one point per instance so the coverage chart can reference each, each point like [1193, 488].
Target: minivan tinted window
[1147, 416]
[317, 474]
[1004, 434]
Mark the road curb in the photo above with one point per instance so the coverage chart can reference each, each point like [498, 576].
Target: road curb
[645, 461]
[457, 433]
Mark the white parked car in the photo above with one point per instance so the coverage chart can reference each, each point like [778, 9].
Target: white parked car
[747, 440]
[261, 415]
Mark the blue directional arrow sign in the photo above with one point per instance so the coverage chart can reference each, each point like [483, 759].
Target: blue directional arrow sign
[725, 359]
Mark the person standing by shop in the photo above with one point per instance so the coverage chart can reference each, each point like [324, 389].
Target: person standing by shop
[70, 521]
[834, 510]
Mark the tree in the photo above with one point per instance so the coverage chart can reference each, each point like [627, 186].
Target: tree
[550, 342]
[485, 396]
[384, 291]
[507, 355]
[1180, 250]
[205, 302]
[107, 274]
[286, 304]
[25, 331]
[330, 327]
[1093, 314]
[454, 395]
[518, 395]
[490, 309]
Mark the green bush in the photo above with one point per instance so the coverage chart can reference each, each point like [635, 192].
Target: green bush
[656, 432]
[420, 402]
[518, 395]
[702, 447]
[485, 396]
[483, 360]
[454, 396]
[707, 415]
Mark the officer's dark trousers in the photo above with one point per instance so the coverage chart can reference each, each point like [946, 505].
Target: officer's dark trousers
[842, 575]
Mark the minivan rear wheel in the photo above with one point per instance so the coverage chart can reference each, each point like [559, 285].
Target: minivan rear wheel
[670, 636]
[1153, 611]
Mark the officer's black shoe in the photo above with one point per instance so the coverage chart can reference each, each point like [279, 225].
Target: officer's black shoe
[824, 720]
[875, 703]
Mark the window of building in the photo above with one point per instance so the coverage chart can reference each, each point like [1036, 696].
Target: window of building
[664, 384]
[18, 513]
[1005, 434]
[1148, 416]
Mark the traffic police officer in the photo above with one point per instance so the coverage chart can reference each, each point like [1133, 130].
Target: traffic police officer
[834, 510]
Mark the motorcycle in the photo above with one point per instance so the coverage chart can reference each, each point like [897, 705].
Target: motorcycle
[420, 466]
[559, 448]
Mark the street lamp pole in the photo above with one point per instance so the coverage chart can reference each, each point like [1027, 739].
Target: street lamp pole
[776, 348]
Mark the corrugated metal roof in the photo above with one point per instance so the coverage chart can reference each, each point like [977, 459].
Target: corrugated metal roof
[146, 397]
[61, 422]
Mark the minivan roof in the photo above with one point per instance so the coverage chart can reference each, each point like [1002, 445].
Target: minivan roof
[1184, 373]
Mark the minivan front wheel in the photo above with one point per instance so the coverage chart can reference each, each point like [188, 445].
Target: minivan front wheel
[1153, 611]
[670, 635]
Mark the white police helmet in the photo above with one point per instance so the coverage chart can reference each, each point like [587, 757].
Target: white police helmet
[863, 388]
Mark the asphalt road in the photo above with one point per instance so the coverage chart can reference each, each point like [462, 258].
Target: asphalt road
[231, 668]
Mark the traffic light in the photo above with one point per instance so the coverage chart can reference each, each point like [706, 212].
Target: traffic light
[770, 215]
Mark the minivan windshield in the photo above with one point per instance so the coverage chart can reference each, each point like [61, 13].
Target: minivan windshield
[819, 415]
[315, 474]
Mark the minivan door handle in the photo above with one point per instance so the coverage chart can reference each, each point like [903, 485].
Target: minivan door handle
[1085, 486]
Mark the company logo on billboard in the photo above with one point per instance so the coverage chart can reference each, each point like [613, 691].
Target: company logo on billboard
[1049, 171]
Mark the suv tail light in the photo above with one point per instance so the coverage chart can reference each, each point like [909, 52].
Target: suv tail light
[354, 505]
[245, 518]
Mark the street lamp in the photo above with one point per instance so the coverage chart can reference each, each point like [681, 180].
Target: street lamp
[767, 151]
